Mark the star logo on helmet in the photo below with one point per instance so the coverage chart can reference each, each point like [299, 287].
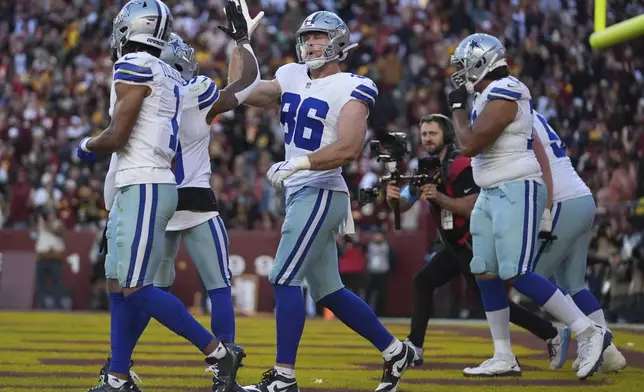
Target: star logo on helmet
[475, 44]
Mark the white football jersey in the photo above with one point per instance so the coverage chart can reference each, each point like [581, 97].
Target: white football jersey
[510, 157]
[192, 161]
[109, 186]
[309, 116]
[147, 156]
[566, 182]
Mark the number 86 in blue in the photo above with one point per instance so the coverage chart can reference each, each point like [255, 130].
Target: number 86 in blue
[295, 117]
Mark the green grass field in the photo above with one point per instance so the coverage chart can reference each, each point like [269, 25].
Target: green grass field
[64, 352]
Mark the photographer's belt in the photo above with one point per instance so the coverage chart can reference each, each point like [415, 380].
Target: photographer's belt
[197, 200]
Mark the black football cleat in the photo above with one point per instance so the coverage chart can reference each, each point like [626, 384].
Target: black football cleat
[272, 382]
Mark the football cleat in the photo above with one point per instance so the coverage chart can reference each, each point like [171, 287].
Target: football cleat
[393, 369]
[614, 361]
[590, 350]
[102, 378]
[558, 348]
[272, 381]
[420, 358]
[224, 370]
[495, 367]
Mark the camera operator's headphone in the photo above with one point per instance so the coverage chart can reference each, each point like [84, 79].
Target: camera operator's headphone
[446, 126]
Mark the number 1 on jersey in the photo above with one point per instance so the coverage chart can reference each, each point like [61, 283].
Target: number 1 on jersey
[174, 122]
[557, 145]
[297, 119]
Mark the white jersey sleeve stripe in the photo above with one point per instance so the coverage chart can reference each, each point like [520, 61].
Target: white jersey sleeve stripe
[133, 68]
[501, 93]
[209, 97]
[363, 97]
[127, 76]
[367, 91]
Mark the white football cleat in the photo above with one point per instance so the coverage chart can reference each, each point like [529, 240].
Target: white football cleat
[614, 361]
[590, 350]
[558, 348]
[495, 367]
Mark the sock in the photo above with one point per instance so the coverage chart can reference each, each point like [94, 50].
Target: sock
[120, 362]
[219, 352]
[529, 321]
[222, 315]
[115, 382]
[546, 295]
[393, 350]
[598, 317]
[169, 311]
[137, 321]
[289, 320]
[357, 315]
[586, 302]
[497, 312]
[284, 371]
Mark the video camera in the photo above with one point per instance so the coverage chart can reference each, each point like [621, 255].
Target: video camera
[391, 148]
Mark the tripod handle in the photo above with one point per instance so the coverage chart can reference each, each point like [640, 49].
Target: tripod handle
[395, 205]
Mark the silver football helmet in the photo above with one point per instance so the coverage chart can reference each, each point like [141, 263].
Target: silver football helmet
[145, 21]
[474, 57]
[337, 31]
[180, 56]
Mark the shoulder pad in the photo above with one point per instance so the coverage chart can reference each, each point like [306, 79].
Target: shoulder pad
[203, 89]
[363, 89]
[134, 68]
[509, 89]
[285, 69]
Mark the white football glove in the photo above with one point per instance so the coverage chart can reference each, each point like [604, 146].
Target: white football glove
[251, 23]
[546, 221]
[280, 171]
[545, 227]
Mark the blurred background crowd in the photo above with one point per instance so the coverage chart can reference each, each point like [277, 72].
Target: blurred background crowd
[55, 76]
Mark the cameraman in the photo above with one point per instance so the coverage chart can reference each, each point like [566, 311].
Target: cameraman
[451, 202]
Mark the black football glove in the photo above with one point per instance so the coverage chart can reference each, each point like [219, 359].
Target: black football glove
[457, 98]
[237, 28]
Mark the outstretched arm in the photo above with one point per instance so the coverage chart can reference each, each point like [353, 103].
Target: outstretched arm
[267, 93]
[242, 87]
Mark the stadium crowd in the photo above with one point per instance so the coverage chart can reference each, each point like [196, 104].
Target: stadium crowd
[55, 75]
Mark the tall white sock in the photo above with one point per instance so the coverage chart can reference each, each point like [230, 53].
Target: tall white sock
[499, 321]
[567, 312]
[115, 381]
[598, 317]
[219, 352]
[286, 372]
[393, 349]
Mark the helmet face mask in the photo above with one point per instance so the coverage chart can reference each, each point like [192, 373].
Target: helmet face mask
[148, 22]
[180, 56]
[337, 32]
[474, 57]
